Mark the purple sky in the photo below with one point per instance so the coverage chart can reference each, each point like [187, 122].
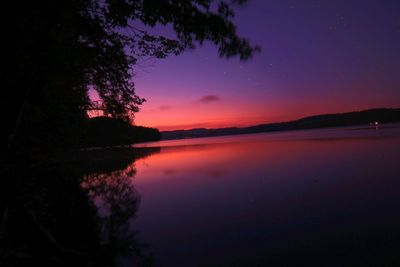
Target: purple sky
[318, 56]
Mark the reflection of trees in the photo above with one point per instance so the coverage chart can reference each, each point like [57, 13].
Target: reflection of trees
[46, 219]
[117, 202]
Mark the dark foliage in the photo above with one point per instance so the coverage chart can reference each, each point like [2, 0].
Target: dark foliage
[105, 131]
[58, 50]
[55, 52]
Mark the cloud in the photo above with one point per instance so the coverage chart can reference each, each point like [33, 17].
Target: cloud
[164, 107]
[210, 98]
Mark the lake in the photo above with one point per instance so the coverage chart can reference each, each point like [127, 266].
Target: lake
[327, 197]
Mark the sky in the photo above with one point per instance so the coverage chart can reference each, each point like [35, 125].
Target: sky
[318, 57]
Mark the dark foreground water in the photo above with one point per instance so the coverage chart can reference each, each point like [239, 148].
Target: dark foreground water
[326, 197]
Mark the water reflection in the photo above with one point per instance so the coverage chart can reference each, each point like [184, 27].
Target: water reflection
[74, 213]
[310, 198]
[302, 199]
[117, 202]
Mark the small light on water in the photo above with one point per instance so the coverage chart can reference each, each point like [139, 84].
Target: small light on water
[374, 124]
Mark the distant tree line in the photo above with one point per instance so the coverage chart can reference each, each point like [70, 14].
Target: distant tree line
[382, 115]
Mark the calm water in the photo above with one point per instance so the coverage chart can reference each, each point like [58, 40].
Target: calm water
[326, 197]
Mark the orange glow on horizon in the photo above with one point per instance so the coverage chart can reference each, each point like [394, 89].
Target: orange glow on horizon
[185, 112]
[223, 117]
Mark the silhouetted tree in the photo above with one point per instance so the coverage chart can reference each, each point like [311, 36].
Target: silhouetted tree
[58, 50]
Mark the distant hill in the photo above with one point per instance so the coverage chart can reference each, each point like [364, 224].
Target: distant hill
[381, 115]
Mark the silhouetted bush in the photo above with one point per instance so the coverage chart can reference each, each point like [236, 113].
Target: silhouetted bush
[105, 131]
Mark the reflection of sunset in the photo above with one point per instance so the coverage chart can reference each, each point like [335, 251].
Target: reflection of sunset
[219, 158]
[226, 191]
[216, 156]
[192, 158]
